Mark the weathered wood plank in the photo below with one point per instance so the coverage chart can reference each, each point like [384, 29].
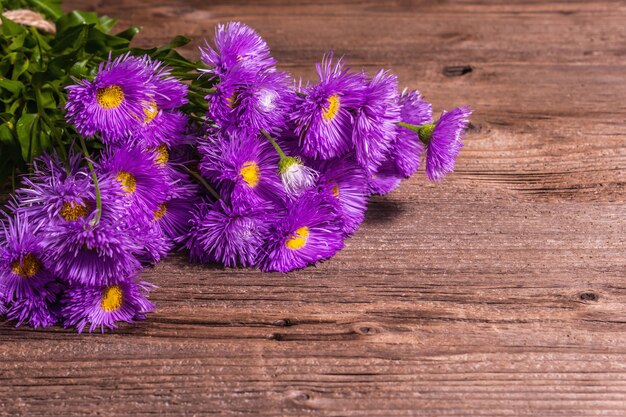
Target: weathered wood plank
[499, 292]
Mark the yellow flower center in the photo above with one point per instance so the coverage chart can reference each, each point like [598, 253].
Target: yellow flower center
[150, 111]
[110, 97]
[128, 181]
[111, 298]
[298, 239]
[160, 212]
[163, 155]
[73, 211]
[231, 101]
[333, 107]
[250, 173]
[336, 190]
[28, 268]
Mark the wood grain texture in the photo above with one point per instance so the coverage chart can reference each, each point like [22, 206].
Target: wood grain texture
[501, 292]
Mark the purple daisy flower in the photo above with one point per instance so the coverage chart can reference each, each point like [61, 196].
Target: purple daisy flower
[52, 194]
[443, 142]
[169, 91]
[160, 127]
[385, 179]
[310, 231]
[113, 102]
[105, 306]
[138, 176]
[160, 123]
[243, 165]
[346, 181]
[252, 101]
[155, 245]
[173, 216]
[236, 44]
[101, 254]
[36, 309]
[229, 234]
[407, 149]
[375, 121]
[23, 271]
[322, 115]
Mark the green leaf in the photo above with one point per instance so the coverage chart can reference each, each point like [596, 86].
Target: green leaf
[50, 8]
[10, 28]
[71, 40]
[177, 42]
[99, 42]
[129, 33]
[14, 87]
[76, 18]
[6, 134]
[18, 41]
[21, 65]
[26, 129]
[106, 23]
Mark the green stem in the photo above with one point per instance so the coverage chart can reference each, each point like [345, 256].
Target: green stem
[409, 126]
[96, 184]
[202, 181]
[274, 144]
[424, 132]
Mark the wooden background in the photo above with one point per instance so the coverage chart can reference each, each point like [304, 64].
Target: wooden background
[500, 292]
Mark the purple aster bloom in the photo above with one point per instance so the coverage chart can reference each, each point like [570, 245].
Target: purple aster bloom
[160, 123]
[322, 114]
[160, 127]
[100, 254]
[52, 194]
[138, 176]
[236, 44]
[105, 306]
[36, 309]
[169, 91]
[242, 165]
[385, 179]
[253, 102]
[23, 269]
[375, 121]
[346, 181]
[155, 245]
[173, 216]
[229, 234]
[310, 231]
[443, 142]
[113, 103]
[407, 149]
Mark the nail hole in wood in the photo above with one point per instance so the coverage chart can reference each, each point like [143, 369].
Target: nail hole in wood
[589, 296]
[276, 336]
[457, 70]
[283, 323]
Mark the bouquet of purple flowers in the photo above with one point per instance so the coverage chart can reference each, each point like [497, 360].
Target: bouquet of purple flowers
[275, 175]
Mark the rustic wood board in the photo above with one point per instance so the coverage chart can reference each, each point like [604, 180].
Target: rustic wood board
[499, 292]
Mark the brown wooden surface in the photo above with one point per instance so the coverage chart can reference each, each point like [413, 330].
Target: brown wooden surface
[500, 292]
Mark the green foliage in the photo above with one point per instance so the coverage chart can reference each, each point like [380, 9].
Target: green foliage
[35, 68]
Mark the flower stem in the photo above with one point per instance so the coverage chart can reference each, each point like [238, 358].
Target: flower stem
[202, 181]
[274, 144]
[96, 184]
[424, 132]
